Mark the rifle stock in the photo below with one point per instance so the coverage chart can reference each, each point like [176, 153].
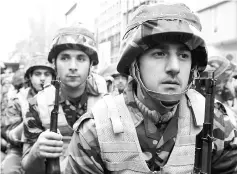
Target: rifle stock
[52, 164]
[203, 148]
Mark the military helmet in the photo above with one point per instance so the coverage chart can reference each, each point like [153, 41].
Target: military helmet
[223, 70]
[75, 37]
[218, 64]
[222, 67]
[152, 24]
[38, 61]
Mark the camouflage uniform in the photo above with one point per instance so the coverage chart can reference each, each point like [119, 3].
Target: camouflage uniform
[5, 86]
[78, 38]
[13, 118]
[14, 115]
[86, 158]
[73, 110]
[156, 138]
[223, 70]
[225, 92]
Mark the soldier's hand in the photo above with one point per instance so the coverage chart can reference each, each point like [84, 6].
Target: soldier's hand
[49, 145]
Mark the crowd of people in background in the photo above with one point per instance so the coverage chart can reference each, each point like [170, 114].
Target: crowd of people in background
[27, 93]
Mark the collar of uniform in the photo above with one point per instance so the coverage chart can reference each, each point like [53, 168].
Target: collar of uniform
[31, 97]
[90, 89]
[64, 98]
[92, 86]
[31, 93]
[137, 116]
[157, 125]
[130, 102]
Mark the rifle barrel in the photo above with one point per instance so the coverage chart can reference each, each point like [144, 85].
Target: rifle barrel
[53, 164]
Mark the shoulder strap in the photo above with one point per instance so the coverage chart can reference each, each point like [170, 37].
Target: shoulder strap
[197, 102]
[101, 83]
[114, 114]
[45, 103]
[92, 100]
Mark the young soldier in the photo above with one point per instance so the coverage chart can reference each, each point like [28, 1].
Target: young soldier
[223, 70]
[151, 127]
[120, 82]
[225, 92]
[39, 71]
[117, 80]
[73, 54]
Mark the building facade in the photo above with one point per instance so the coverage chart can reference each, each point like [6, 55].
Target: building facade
[219, 21]
[218, 17]
[108, 24]
[111, 23]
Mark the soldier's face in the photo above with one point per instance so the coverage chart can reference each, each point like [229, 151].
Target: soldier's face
[166, 67]
[120, 82]
[39, 77]
[73, 67]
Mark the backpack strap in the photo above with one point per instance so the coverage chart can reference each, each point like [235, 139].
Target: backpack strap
[114, 114]
[197, 103]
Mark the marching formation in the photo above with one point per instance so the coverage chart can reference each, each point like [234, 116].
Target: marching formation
[166, 107]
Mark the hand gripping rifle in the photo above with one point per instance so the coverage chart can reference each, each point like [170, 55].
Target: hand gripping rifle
[52, 164]
[203, 147]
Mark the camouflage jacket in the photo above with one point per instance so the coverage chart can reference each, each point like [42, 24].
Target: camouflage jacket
[84, 151]
[13, 114]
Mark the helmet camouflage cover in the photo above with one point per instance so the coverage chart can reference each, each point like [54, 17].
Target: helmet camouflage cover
[152, 24]
[218, 64]
[38, 61]
[75, 37]
[223, 69]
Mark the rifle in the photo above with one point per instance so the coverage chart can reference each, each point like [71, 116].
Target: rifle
[203, 147]
[52, 164]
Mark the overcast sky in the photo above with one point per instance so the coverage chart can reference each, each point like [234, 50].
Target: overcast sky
[14, 15]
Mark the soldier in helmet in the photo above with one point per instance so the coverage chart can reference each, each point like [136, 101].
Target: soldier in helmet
[38, 73]
[117, 81]
[151, 127]
[46, 73]
[225, 91]
[17, 85]
[73, 54]
[223, 69]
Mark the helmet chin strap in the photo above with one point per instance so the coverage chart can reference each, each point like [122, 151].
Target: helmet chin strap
[165, 99]
[168, 105]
